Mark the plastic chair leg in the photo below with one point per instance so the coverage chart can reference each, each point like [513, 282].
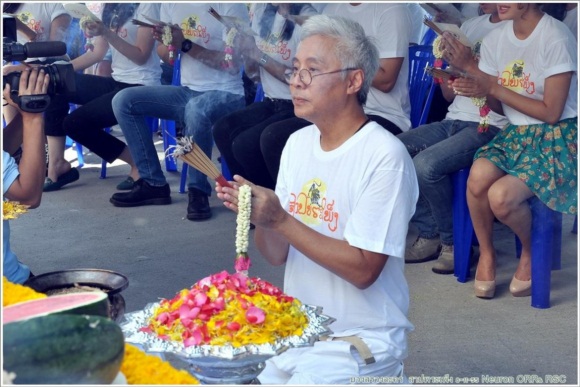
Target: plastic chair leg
[168, 141]
[546, 250]
[462, 226]
[104, 162]
[183, 181]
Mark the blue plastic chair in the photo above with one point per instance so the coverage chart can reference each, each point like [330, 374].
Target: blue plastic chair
[421, 85]
[546, 241]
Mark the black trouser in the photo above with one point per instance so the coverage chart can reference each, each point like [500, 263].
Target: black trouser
[237, 137]
[86, 123]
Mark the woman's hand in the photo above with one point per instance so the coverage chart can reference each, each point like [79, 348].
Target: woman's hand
[456, 54]
[477, 86]
[95, 28]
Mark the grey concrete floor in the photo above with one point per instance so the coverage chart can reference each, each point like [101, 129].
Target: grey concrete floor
[456, 335]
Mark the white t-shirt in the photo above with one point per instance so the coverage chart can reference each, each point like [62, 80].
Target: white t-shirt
[38, 17]
[365, 191]
[523, 65]
[124, 69]
[199, 26]
[462, 108]
[418, 14]
[390, 26]
[282, 51]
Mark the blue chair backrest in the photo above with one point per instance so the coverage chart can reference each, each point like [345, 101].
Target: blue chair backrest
[421, 85]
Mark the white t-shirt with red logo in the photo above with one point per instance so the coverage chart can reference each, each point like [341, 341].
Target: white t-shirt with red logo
[199, 26]
[390, 26]
[282, 51]
[364, 192]
[124, 69]
[523, 65]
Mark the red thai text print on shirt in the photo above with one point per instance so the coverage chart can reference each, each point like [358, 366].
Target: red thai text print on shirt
[193, 30]
[313, 207]
[515, 78]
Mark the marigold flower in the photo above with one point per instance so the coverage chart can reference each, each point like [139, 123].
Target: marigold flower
[16, 293]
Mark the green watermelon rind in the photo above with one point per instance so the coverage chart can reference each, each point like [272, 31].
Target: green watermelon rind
[63, 349]
[89, 303]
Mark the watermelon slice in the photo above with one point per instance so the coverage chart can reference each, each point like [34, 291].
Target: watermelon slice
[91, 303]
[63, 349]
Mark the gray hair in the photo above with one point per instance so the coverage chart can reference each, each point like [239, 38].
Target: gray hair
[353, 47]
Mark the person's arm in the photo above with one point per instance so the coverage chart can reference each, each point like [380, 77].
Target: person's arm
[210, 58]
[91, 57]
[27, 188]
[59, 27]
[254, 56]
[138, 53]
[387, 74]
[276, 229]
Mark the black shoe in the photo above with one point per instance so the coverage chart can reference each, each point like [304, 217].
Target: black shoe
[198, 206]
[142, 194]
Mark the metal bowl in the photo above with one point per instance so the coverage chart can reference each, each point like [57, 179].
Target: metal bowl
[109, 281]
[225, 364]
[62, 281]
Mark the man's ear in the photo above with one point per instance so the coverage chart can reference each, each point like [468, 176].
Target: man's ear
[356, 79]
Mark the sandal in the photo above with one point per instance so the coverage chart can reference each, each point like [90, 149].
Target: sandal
[126, 185]
[64, 179]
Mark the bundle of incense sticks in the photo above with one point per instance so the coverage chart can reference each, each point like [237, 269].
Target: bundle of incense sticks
[446, 74]
[429, 23]
[189, 152]
[142, 24]
[215, 14]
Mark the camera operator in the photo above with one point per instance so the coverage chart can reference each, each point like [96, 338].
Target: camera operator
[23, 182]
[35, 22]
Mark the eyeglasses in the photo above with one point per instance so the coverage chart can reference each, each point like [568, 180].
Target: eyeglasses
[306, 76]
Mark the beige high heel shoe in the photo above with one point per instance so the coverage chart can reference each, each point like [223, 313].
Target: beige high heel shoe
[520, 288]
[484, 289]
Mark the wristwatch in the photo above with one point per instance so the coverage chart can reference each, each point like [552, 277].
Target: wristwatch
[264, 59]
[186, 45]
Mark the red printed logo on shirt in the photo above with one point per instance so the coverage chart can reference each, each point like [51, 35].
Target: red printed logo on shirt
[193, 30]
[313, 207]
[515, 78]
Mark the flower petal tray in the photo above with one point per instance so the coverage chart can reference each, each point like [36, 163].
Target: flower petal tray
[133, 322]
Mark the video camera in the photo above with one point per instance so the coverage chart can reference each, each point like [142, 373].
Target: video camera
[61, 75]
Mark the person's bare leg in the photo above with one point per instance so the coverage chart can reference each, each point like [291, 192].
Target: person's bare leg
[508, 199]
[482, 176]
[126, 157]
[57, 164]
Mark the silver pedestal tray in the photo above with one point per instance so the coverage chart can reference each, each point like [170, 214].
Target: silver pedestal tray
[221, 364]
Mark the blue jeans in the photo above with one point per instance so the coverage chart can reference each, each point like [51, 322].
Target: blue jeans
[198, 111]
[439, 149]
